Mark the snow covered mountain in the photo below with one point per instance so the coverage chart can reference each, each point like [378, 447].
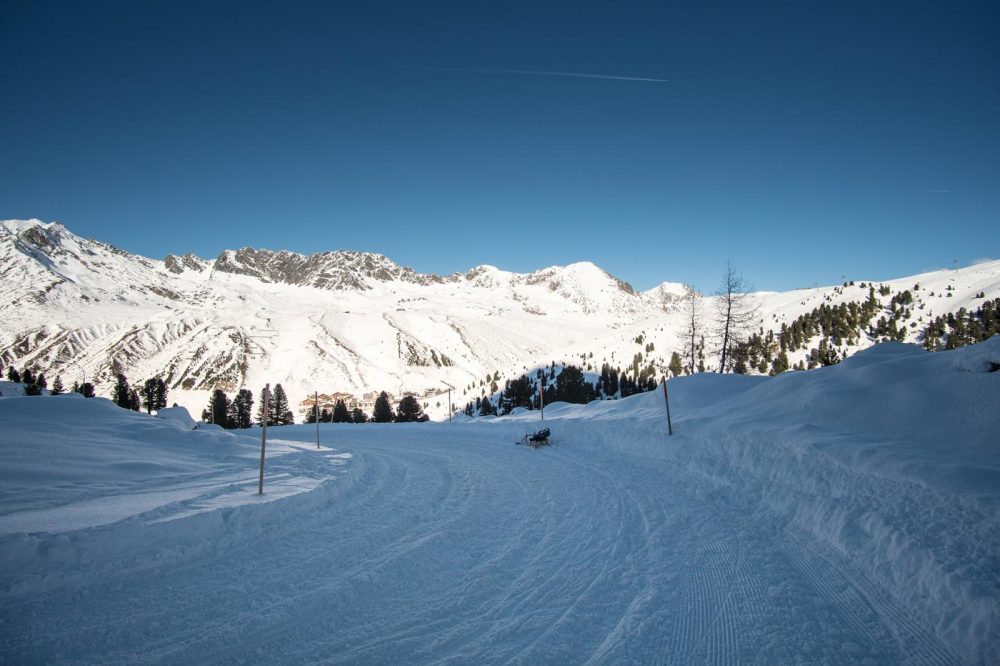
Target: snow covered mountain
[351, 321]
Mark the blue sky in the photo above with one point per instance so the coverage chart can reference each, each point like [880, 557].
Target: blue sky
[803, 141]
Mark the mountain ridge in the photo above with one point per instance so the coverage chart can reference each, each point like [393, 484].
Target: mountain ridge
[346, 320]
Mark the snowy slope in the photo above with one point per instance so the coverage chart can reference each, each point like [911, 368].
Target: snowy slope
[352, 321]
[95, 464]
[847, 515]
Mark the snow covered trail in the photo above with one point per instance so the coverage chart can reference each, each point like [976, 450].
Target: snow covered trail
[800, 519]
[447, 544]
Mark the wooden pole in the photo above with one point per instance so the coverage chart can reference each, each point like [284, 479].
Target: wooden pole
[541, 397]
[316, 411]
[263, 435]
[666, 400]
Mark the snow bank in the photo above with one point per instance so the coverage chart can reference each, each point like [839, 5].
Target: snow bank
[178, 414]
[893, 459]
[71, 462]
[11, 389]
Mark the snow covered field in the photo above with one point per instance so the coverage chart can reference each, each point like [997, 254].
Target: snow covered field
[845, 515]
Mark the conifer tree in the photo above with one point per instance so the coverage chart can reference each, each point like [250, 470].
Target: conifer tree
[486, 407]
[340, 413]
[40, 381]
[279, 406]
[780, 364]
[149, 395]
[517, 393]
[676, 366]
[13, 374]
[87, 390]
[550, 394]
[614, 382]
[409, 410]
[358, 416]
[218, 409]
[571, 387]
[740, 356]
[121, 393]
[242, 409]
[161, 394]
[382, 412]
[57, 386]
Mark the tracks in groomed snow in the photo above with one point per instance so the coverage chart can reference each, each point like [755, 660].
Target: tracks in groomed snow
[449, 545]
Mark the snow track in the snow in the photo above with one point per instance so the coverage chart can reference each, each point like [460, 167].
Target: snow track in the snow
[454, 548]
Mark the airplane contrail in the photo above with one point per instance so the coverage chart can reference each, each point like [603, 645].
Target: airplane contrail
[532, 72]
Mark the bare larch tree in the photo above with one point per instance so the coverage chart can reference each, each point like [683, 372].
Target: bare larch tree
[691, 309]
[735, 312]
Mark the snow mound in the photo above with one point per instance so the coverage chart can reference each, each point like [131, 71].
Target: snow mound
[178, 414]
[984, 357]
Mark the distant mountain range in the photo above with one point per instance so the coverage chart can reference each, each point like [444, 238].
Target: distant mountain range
[355, 321]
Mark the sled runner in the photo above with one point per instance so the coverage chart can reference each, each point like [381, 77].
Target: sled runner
[540, 438]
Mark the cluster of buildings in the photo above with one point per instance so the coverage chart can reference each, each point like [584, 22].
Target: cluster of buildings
[366, 403]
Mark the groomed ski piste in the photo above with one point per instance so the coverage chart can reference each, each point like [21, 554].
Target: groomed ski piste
[846, 515]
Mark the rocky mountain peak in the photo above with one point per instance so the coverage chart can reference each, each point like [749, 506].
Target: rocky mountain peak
[666, 295]
[337, 271]
[185, 262]
[47, 237]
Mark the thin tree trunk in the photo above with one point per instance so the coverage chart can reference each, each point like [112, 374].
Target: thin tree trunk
[725, 337]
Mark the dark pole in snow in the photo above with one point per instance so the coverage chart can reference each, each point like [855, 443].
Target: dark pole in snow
[263, 435]
[666, 400]
[316, 412]
[541, 398]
